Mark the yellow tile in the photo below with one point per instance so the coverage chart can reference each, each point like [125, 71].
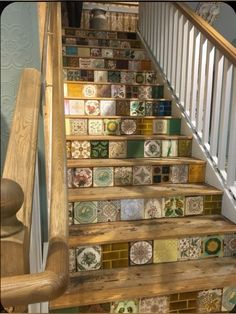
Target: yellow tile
[110, 256]
[196, 173]
[119, 246]
[74, 90]
[120, 263]
[165, 251]
[124, 254]
[106, 265]
[106, 247]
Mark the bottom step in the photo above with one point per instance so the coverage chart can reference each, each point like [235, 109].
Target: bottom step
[109, 285]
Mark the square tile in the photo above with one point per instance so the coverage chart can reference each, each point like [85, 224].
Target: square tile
[193, 205]
[97, 63]
[157, 92]
[73, 90]
[114, 76]
[85, 212]
[152, 148]
[87, 75]
[76, 107]
[209, 301]
[158, 305]
[165, 251]
[137, 108]
[174, 126]
[179, 173]
[78, 127]
[80, 149]
[122, 64]
[72, 62]
[127, 77]
[161, 174]
[132, 209]
[66, 107]
[72, 261]
[140, 252]
[169, 148]
[126, 306]
[93, 308]
[112, 126]
[104, 91]
[153, 208]
[107, 53]
[115, 255]
[73, 75]
[174, 207]
[68, 149]
[100, 76]
[142, 175]
[132, 91]
[190, 248]
[118, 91]
[70, 175]
[83, 52]
[110, 64]
[162, 108]
[83, 177]
[108, 211]
[145, 65]
[92, 107]
[212, 246]
[184, 148]
[90, 91]
[196, 173]
[95, 127]
[99, 149]
[160, 126]
[230, 245]
[102, 176]
[123, 175]
[122, 108]
[118, 149]
[71, 213]
[228, 299]
[128, 126]
[140, 77]
[84, 63]
[134, 65]
[88, 257]
[148, 108]
[145, 92]
[96, 52]
[108, 107]
[151, 78]
[135, 149]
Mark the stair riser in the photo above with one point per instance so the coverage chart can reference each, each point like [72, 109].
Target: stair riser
[99, 34]
[126, 44]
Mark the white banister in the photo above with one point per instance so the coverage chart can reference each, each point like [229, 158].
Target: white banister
[184, 64]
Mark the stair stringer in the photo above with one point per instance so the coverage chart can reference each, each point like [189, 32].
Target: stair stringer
[212, 176]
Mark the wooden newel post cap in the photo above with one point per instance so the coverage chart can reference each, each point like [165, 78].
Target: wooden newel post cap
[12, 198]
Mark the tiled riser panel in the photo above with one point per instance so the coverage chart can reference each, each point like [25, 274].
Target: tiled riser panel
[135, 209]
[99, 34]
[78, 40]
[129, 149]
[206, 301]
[134, 175]
[151, 252]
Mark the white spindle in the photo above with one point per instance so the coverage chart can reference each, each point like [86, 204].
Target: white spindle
[163, 9]
[159, 30]
[189, 70]
[184, 62]
[155, 13]
[174, 50]
[170, 43]
[149, 22]
[179, 54]
[167, 4]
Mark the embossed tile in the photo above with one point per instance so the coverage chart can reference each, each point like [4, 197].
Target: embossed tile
[80, 149]
[179, 173]
[123, 175]
[152, 148]
[102, 176]
[99, 149]
[140, 252]
[70, 174]
[127, 77]
[135, 149]
[160, 126]
[104, 91]
[76, 106]
[118, 149]
[95, 52]
[194, 205]
[114, 77]
[90, 91]
[83, 177]
[68, 149]
[144, 92]
[128, 126]
[228, 299]
[169, 148]
[137, 108]
[161, 174]
[95, 127]
[88, 257]
[142, 175]
[230, 245]
[153, 208]
[112, 126]
[189, 248]
[165, 251]
[71, 213]
[107, 53]
[85, 212]
[78, 127]
[184, 148]
[212, 246]
[132, 209]
[158, 305]
[209, 301]
[151, 78]
[123, 108]
[118, 91]
[100, 76]
[72, 261]
[126, 306]
[108, 107]
[140, 78]
[108, 211]
[92, 107]
[174, 207]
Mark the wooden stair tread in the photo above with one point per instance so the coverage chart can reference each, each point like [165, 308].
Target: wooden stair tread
[100, 47]
[73, 116]
[133, 161]
[110, 285]
[149, 191]
[111, 83]
[150, 229]
[126, 137]
[118, 99]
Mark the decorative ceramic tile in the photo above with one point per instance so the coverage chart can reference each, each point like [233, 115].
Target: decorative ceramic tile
[193, 205]
[140, 78]
[123, 175]
[179, 174]
[83, 177]
[128, 126]
[80, 149]
[70, 40]
[72, 62]
[162, 108]
[128, 53]
[103, 42]
[88, 257]
[83, 52]
[134, 65]
[160, 126]
[165, 251]
[230, 245]
[145, 92]
[70, 174]
[174, 126]
[190, 248]
[100, 76]
[107, 53]
[132, 209]
[74, 90]
[103, 176]
[118, 91]
[73, 75]
[108, 211]
[122, 64]
[142, 175]
[152, 148]
[137, 108]
[76, 106]
[97, 63]
[209, 301]
[229, 299]
[92, 107]
[125, 44]
[140, 55]
[196, 173]
[72, 262]
[95, 52]
[95, 127]
[132, 91]
[140, 252]
[68, 149]
[114, 76]
[122, 108]
[212, 246]
[84, 63]
[110, 64]
[78, 127]
[169, 148]
[70, 213]
[111, 35]
[90, 91]
[126, 306]
[127, 77]
[93, 308]
[112, 126]
[135, 149]
[148, 108]
[173, 207]
[66, 106]
[108, 107]
[104, 91]
[161, 174]
[151, 78]
[99, 149]
[158, 305]
[85, 212]
[118, 149]
[157, 92]
[153, 208]
[185, 148]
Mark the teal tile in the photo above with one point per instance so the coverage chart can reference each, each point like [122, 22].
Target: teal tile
[174, 126]
[135, 149]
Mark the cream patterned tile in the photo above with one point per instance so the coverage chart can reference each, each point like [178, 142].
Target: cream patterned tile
[174, 207]
[145, 92]
[78, 126]
[108, 107]
[118, 149]
[102, 176]
[158, 305]
[89, 91]
[153, 208]
[209, 301]
[92, 107]
[100, 76]
[85, 212]
[123, 175]
[189, 248]
[83, 177]
[194, 205]
[108, 211]
[140, 252]
[76, 106]
[80, 149]
[88, 257]
[132, 209]
[95, 127]
[118, 91]
[179, 174]
[142, 175]
[127, 77]
[160, 126]
[152, 148]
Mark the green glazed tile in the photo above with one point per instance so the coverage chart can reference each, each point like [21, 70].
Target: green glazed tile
[99, 149]
[174, 126]
[184, 148]
[157, 92]
[135, 149]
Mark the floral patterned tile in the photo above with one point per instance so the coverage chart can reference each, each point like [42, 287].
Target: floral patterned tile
[179, 174]
[161, 174]
[112, 126]
[194, 205]
[137, 108]
[102, 176]
[153, 208]
[70, 175]
[169, 148]
[148, 108]
[118, 149]
[114, 76]
[165, 251]
[72, 261]
[108, 107]
[85, 212]
[99, 149]
[104, 91]
[128, 126]
[92, 107]
[127, 77]
[110, 64]
[123, 175]
[90, 91]
[132, 209]
[108, 211]
[142, 175]
[160, 126]
[68, 149]
[78, 126]
[140, 252]
[76, 106]
[212, 246]
[158, 305]
[126, 306]
[190, 248]
[151, 78]
[70, 213]
[107, 53]
[95, 52]
[229, 299]
[88, 257]
[145, 92]
[118, 91]
[95, 127]
[83, 177]
[230, 245]
[152, 148]
[80, 149]
[209, 301]
[97, 63]
[140, 77]
[100, 76]
[174, 207]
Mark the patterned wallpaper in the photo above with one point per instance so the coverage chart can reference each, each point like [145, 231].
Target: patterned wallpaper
[19, 49]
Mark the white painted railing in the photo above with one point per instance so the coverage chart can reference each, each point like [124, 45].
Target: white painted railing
[199, 65]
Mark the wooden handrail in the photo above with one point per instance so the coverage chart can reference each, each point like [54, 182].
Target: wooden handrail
[224, 46]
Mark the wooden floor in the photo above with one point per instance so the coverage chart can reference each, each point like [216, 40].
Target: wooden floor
[95, 287]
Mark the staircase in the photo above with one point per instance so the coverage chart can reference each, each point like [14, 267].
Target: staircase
[146, 232]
